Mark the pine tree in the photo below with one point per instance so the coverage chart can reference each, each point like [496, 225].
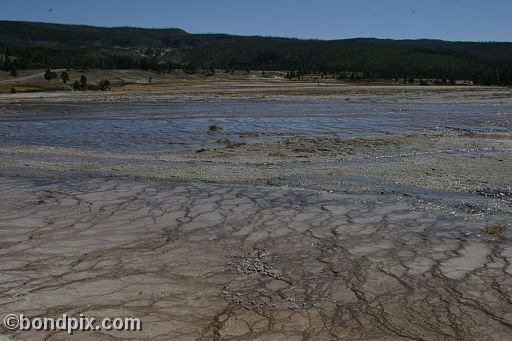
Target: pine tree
[14, 69]
[105, 85]
[64, 76]
[83, 83]
[48, 75]
[76, 86]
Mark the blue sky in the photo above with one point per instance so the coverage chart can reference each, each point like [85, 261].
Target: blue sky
[476, 20]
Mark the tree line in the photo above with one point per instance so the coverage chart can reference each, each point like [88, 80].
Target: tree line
[41, 46]
[481, 74]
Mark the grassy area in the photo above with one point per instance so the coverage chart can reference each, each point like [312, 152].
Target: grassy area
[33, 87]
[33, 81]
[139, 81]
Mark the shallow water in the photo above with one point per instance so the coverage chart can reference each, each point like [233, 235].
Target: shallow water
[150, 127]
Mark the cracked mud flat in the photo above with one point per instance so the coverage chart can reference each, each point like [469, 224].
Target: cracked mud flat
[341, 232]
[198, 261]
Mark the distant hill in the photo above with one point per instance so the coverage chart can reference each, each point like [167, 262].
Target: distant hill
[41, 45]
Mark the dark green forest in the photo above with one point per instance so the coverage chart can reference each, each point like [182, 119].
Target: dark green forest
[27, 45]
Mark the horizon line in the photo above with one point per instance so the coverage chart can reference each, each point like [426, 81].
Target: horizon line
[255, 35]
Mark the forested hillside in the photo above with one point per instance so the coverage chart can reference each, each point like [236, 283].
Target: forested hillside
[26, 45]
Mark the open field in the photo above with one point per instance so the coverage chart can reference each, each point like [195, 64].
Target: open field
[315, 210]
[135, 85]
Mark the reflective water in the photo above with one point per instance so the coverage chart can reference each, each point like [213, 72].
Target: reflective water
[160, 127]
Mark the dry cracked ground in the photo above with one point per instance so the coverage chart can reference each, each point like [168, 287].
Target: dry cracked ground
[304, 237]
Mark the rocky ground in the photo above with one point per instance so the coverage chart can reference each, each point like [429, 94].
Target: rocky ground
[283, 237]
